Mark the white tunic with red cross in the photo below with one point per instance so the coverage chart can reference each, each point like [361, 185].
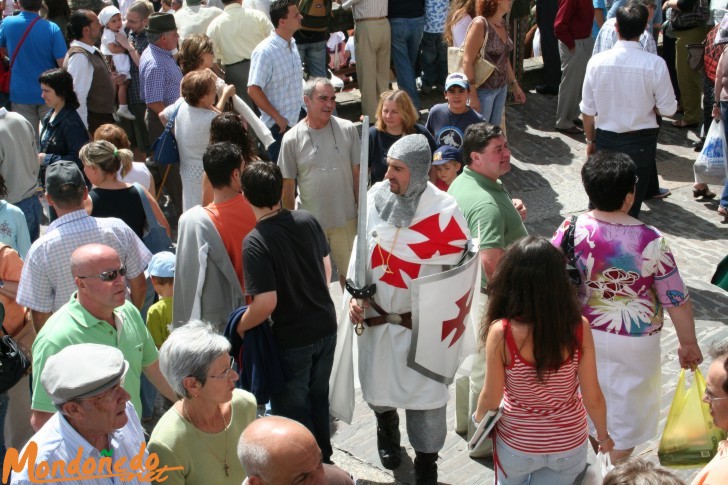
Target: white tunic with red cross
[435, 240]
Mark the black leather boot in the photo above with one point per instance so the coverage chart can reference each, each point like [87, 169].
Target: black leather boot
[425, 468]
[388, 437]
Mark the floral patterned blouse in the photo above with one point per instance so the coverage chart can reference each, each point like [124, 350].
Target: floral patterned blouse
[628, 274]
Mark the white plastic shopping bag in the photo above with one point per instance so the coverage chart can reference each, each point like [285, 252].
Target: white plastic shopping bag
[710, 167]
[596, 472]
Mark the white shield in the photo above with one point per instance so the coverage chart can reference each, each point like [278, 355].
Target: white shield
[444, 306]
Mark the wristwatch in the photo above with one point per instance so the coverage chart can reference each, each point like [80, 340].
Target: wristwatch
[590, 142]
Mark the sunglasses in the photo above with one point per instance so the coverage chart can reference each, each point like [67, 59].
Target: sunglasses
[107, 275]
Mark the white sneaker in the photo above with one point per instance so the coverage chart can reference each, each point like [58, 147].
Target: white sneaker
[116, 117]
[124, 112]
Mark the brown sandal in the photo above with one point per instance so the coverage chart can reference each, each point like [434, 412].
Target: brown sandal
[704, 193]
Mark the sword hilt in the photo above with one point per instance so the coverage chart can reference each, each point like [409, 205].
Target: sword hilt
[360, 294]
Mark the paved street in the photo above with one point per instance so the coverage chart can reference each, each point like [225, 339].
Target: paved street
[545, 174]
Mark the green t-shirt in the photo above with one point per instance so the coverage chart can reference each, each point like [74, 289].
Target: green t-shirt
[73, 324]
[489, 210]
[179, 443]
[159, 318]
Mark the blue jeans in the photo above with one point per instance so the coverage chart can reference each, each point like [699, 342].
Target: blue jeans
[306, 396]
[32, 210]
[492, 102]
[406, 37]
[539, 469]
[275, 148]
[433, 58]
[314, 56]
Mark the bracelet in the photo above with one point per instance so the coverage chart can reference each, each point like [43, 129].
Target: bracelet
[715, 105]
[604, 440]
[590, 142]
[512, 83]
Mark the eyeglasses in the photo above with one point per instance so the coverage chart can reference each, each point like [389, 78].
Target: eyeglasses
[226, 372]
[710, 397]
[107, 275]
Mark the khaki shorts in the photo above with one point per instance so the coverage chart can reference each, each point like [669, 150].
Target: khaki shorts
[341, 241]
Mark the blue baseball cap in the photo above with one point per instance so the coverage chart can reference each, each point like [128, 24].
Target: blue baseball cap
[162, 265]
[446, 153]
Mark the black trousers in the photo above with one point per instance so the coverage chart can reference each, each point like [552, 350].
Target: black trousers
[545, 18]
[641, 146]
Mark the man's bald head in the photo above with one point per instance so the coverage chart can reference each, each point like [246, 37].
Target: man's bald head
[279, 451]
[85, 259]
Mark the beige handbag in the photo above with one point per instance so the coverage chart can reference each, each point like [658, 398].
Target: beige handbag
[483, 68]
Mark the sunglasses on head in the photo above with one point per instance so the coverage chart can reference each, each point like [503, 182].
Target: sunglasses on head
[107, 275]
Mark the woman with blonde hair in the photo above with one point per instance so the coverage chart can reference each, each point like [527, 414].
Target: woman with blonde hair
[196, 53]
[111, 197]
[459, 16]
[489, 98]
[130, 171]
[396, 117]
[194, 113]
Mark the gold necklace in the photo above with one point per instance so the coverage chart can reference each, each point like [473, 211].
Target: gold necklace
[225, 465]
[386, 263]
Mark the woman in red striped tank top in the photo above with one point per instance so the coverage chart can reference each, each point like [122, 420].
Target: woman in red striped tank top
[539, 354]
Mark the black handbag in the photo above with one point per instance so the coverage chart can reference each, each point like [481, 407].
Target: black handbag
[567, 247]
[13, 362]
[165, 147]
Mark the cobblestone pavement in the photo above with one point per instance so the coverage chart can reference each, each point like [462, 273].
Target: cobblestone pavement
[546, 175]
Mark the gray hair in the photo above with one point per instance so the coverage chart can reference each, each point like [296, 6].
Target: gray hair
[153, 37]
[311, 84]
[188, 352]
[255, 459]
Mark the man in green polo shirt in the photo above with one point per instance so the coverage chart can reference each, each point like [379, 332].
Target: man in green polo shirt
[493, 217]
[97, 313]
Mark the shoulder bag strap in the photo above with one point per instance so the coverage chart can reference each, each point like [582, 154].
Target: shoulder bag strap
[22, 39]
[145, 202]
[482, 48]
[170, 121]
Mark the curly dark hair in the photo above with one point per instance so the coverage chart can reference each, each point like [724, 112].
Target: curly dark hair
[60, 81]
[3, 188]
[230, 127]
[531, 284]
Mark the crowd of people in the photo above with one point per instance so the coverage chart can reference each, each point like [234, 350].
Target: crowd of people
[152, 279]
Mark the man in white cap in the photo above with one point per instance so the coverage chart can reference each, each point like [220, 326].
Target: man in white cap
[413, 230]
[95, 416]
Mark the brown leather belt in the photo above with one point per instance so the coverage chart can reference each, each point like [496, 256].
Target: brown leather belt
[404, 319]
[368, 19]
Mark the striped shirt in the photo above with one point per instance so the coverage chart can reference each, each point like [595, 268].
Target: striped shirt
[367, 9]
[47, 283]
[541, 417]
[58, 441]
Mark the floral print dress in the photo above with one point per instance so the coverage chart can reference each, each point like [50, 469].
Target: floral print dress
[628, 275]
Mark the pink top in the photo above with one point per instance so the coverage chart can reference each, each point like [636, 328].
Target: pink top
[540, 417]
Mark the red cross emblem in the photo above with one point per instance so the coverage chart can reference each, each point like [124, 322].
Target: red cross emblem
[457, 324]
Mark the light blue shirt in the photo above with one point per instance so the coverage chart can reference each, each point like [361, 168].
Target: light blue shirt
[57, 441]
[275, 67]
